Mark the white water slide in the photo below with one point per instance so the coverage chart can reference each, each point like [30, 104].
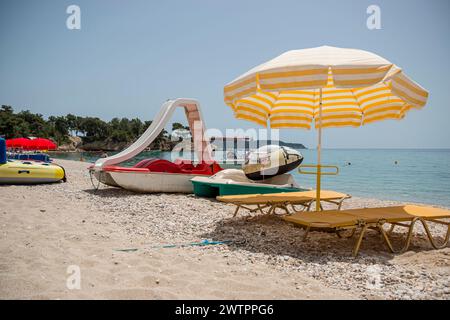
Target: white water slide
[196, 124]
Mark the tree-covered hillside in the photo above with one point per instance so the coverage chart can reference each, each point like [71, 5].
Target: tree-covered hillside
[95, 133]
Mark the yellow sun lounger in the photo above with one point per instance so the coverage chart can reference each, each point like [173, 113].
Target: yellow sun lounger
[374, 218]
[282, 200]
[422, 214]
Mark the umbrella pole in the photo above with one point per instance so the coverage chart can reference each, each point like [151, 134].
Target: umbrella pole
[319, 147]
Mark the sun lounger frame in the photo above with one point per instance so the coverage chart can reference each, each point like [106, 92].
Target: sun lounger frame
[430, 237]
[305, 202]
[362, 224]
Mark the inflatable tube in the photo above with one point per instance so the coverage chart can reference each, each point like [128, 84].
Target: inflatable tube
[30, 156]
[30, 172]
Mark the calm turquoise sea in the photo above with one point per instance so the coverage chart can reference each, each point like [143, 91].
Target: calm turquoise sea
[421, 175]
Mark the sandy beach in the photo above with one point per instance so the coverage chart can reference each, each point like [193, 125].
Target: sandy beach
[47, 228]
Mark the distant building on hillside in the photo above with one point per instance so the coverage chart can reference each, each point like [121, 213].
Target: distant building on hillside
[180, 134]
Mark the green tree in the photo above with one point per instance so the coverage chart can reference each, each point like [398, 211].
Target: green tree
[37, 126]
[177, 125]
[11, 125]
[91, 129]
[136, 127]
[59, 128]
[74, 123]
[6, 121]
[94, 129]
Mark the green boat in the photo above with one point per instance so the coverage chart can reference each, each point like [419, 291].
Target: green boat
[234, 181]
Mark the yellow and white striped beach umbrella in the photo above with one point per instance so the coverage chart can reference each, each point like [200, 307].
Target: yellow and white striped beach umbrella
[325, 86]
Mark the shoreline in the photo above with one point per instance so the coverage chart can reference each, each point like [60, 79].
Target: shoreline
[167, 143]
[47, 228]
[388, 198]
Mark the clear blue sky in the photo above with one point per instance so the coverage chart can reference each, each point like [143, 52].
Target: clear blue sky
[130, 56]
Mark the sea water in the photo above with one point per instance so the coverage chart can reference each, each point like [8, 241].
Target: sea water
[404, 175]
[407, 175]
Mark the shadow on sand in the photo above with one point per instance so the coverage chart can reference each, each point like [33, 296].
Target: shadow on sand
[276, 239]
[111, 192]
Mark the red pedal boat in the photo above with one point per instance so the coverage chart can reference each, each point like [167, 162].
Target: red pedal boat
[159, 175]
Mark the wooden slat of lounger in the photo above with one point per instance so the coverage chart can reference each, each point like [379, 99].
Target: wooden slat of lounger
[322, 219]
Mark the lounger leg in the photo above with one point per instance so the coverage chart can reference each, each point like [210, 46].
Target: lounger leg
[340, 203]
[260, 209]
[428, 233]
[305, 207]
[306, 233]
[339, 233]
[386, 238]
[274, 211]
[285, 208]
[409, 236]
[358, 242]
[281, 206]
[391, 229]
[236, 211]
[432, 241]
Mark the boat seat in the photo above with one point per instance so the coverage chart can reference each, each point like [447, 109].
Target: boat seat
[179, 166]
[144, 163]
[162, 165]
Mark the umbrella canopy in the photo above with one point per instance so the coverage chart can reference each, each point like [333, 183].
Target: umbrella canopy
[23, 143]
[358, 87]
[42, 144]
[327, 86]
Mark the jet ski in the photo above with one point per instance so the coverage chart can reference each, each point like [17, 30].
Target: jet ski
[271, 160]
